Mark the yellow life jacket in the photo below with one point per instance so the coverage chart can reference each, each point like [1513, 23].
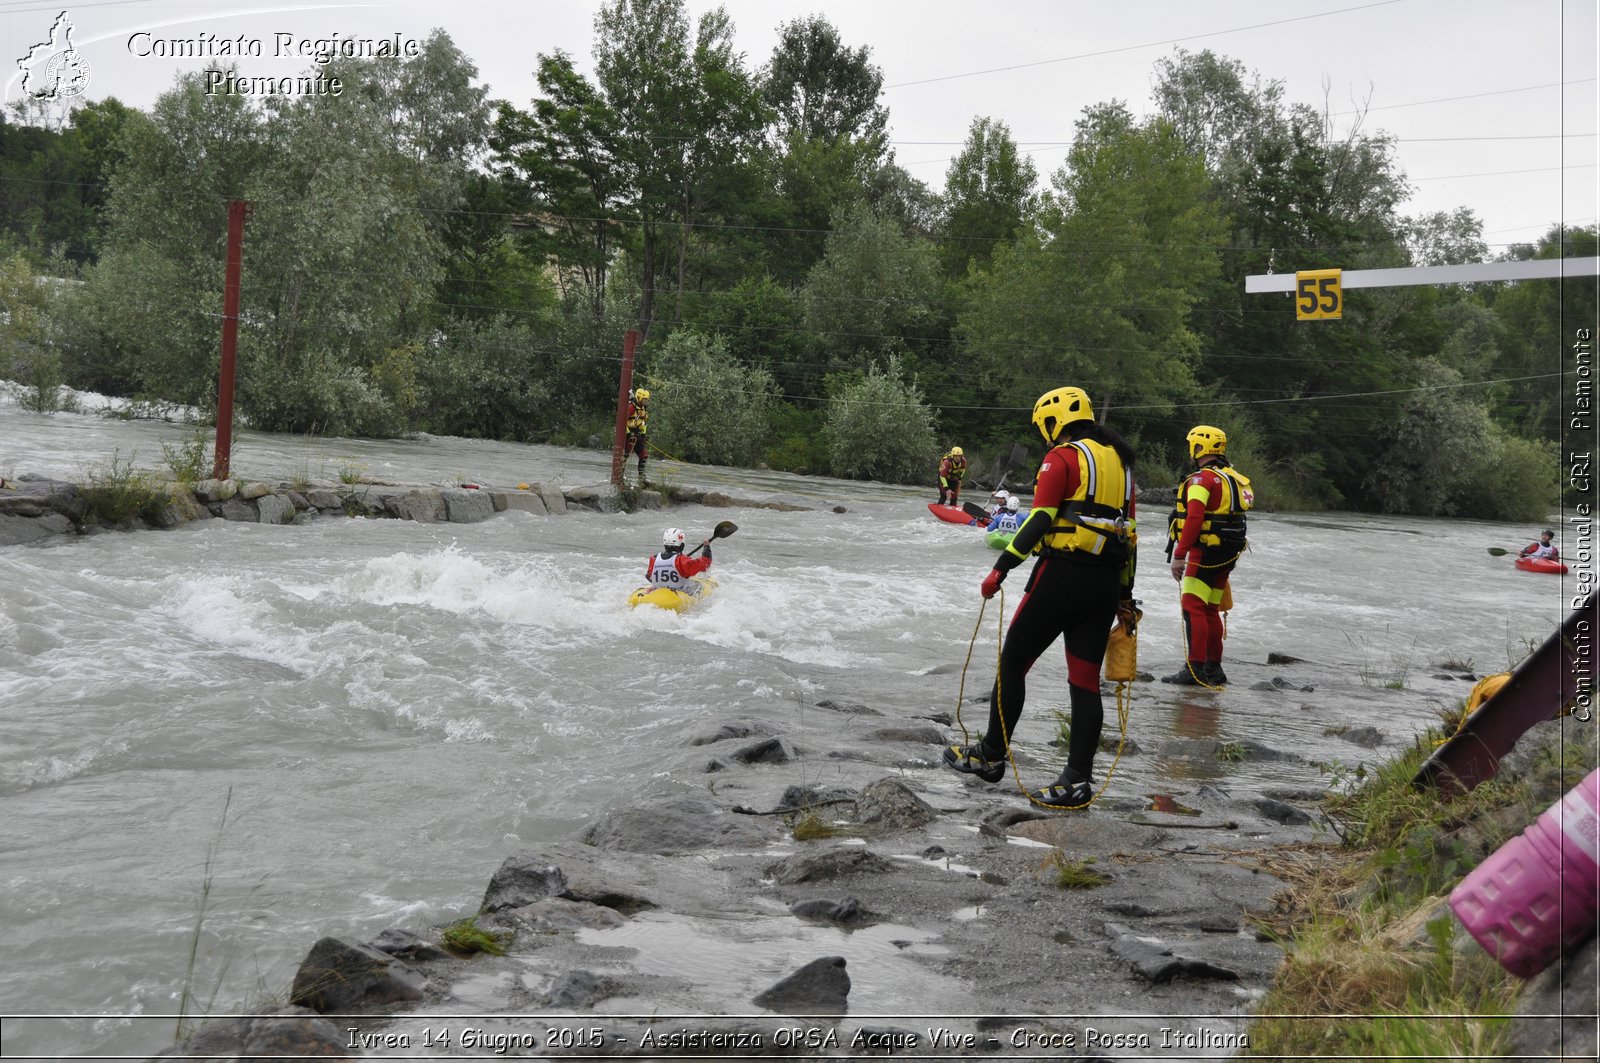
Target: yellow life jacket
[637, 416]
[1225, 525]
[1094, 520]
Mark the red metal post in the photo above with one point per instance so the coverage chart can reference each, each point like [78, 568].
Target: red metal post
[624, 392]
[237, 210]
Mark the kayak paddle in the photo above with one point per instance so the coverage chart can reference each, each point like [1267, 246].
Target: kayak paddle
[975, 511]
[721, 531]
[1496, 551]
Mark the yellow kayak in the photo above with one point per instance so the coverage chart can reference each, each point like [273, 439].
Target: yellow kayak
[693, 592]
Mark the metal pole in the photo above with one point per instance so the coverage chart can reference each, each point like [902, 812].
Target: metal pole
[624, 390]
[237, 210]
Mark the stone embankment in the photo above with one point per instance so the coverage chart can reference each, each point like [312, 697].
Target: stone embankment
[34, 509]
[696, 922]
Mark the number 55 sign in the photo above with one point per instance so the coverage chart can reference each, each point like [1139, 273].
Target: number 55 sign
[1317, 295]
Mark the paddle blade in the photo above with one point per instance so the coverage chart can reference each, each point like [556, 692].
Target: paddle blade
[1495, 551]
[975, 511]
[724, 529]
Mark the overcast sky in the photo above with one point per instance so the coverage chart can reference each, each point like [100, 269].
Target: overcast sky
[1493, 102]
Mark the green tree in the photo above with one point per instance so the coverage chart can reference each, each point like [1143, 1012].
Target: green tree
[1296, 195]
[761, 322]
[989, 194]
[878, 427]
[1446, 238]
[828, 141]
[1535, 324]
[344, 249]
[820, 90]
[561, 162]
[55, 180]
[686, 110]
[1444, 456]
[706, 406]
[29, 333]
[1099, 296]
[876, 290]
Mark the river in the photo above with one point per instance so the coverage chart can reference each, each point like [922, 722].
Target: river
[347, 726]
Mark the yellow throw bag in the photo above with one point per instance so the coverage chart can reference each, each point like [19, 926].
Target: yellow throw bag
[1122, 656]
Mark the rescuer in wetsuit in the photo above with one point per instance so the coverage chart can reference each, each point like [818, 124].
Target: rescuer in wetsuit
[1081, 528]
[637, 425]
[1206, 535]
[952, 471]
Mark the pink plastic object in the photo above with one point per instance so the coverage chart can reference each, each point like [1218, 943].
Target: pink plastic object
[1535, 896]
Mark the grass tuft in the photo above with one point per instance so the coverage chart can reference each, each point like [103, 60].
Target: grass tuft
[809, 827]
[1070, 874]
[465, 937]
[1231, 752]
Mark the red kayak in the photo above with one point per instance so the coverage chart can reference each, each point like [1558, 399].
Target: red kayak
[1540, 564]
[951, 514]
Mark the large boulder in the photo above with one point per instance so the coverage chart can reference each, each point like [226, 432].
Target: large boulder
[889, 805]
[838, 862]
[522, 879]
[467, 507]
[344, 976]
[676, 825]
[554, 500]
[525, 501]
[274, 509]
[16, 530]
[424, 507]
[216, 490]
[821, 986]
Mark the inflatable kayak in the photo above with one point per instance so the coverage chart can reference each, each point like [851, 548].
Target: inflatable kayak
[694, 592]
[1540, 564]
[952, 514]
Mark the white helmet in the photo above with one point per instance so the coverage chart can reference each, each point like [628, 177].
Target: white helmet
[672, 540]
[1013, 502]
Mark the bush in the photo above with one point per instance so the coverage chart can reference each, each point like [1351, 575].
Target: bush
[798, 444]
[878, 427]
[29, 336]
[310, 391]
[1518, 483]
[705, 406]
[482, 380]
[117, 493]
[190, 461]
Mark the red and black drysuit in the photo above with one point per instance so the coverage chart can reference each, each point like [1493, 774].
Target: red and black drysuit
[1210, 535]
[1070, 593]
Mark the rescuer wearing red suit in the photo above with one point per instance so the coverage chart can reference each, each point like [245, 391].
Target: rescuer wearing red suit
[1206, 535]
[1081, 528]
[670, 568]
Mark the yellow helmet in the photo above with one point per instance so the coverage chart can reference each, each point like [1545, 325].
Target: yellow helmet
[956, 452]
[1057, 409]
[1204, 440]
[641, 395]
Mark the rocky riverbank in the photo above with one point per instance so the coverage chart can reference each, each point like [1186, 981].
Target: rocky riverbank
[697, 922]
[33, 509]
